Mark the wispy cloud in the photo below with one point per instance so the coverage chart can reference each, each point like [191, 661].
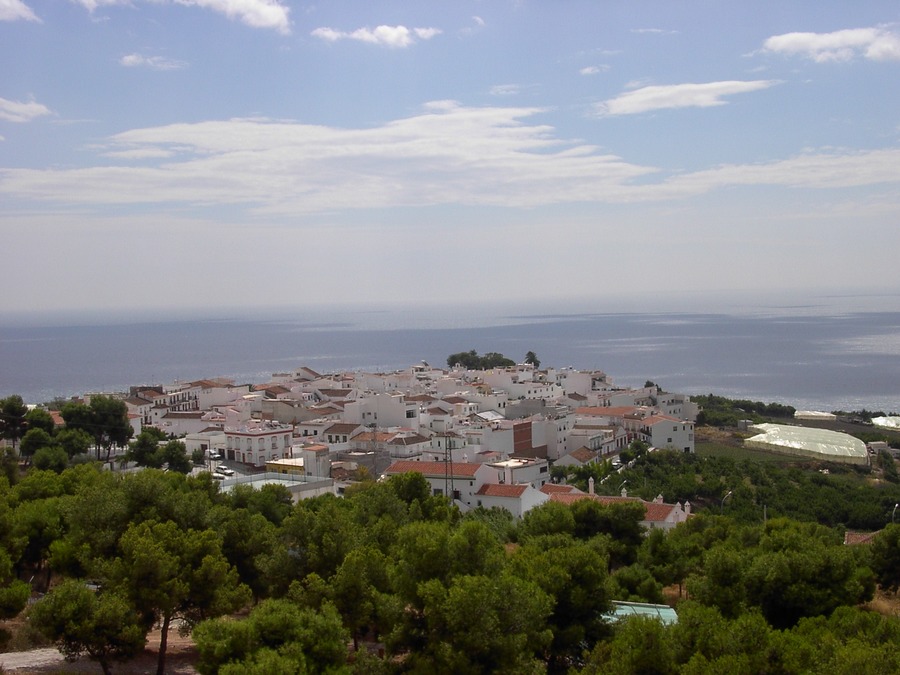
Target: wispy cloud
[594, 70]
[447, 154]
[690, 95]
[876, 44]
[477, 24]
[505, 89]
[254, 13]
[384, 36]
[16, 10]
[154, 62]
[827, 169]
[654, 31]
[17, 111]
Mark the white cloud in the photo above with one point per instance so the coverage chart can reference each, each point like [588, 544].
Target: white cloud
[828, 169]
[154, 62]
[659, 97]
[594, 70]
[876, 44]
[16, 111]
[478, 24]
[16, 10]
[654, 31]
[91, 5]
[447, 154]
[384, 36]
[505, 89]
[254, 13]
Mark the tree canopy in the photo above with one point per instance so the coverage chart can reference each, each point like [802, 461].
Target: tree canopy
[471, 360]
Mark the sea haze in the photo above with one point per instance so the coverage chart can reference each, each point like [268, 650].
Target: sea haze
[828, 353]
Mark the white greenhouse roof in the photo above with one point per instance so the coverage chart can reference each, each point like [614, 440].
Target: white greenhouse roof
[814, 415]
[809, 442]
[887, 422]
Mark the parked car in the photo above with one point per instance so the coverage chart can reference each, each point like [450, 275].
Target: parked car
[224, 470]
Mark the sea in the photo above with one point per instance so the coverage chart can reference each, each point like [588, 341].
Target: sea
[813, 351]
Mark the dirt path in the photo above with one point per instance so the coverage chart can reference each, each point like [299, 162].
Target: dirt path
[180, 659]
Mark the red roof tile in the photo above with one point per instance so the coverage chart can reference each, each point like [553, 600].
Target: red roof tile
[497, 490]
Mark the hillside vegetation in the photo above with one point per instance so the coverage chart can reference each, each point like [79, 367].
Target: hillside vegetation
[393, 566]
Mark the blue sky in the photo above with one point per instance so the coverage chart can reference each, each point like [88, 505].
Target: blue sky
[181, 153]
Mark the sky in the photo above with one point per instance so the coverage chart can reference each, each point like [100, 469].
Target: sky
[221, 153]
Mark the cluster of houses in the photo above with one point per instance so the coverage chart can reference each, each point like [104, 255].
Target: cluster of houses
[483, 437]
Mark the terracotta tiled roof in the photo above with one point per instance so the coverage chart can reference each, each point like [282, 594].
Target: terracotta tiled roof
[571, 497]
[653, 512]
[657, 419]
[855, 538]
[336, 393]
[373, 436]
[415, 439]
[553, 488]
[495, 490]
[583, 455]
[457, 469]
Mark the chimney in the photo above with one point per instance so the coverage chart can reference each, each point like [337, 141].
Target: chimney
[591, 485]
[624, 491]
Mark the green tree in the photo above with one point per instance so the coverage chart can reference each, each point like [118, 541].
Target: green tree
[277, 637]
[73, 441]
[82, 621]
[548, 518]
[39, 418]
[470, 360]
[51, 459]
[574, 575]
[886, 557]
[358, 590]
[13, 424]
[14, 594]
[34, 440]
[144, 450]
[641, 645]
[532, 359]
[169, 573]
[105, 419]
[485, 624]
[174, 455]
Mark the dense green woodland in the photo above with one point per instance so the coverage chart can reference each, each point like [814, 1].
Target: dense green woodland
[390, 579]
[391, 565]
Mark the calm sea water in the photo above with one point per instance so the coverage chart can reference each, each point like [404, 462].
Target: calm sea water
[824, 353]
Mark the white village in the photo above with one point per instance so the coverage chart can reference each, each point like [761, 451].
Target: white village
[484, 438]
